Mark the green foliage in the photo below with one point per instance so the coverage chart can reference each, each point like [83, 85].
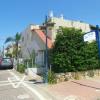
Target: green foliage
[16, 40]
[51, 77]
[71, 53]
[8, 55]
[13, 39]
[21, 68]
[17, 37]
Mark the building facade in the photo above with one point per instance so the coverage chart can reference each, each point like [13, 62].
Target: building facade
[34, 38]
[55, 23]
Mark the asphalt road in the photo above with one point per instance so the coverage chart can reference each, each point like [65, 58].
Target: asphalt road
[8, 92]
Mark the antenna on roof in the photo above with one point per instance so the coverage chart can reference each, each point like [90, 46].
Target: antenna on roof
[51, 14]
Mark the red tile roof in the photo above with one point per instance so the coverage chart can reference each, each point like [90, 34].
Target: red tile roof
[41, 34]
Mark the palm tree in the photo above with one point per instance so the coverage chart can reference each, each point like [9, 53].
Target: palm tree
[16, 40]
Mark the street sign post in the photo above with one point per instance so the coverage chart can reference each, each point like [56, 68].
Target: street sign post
[98, 38]
[93, 35]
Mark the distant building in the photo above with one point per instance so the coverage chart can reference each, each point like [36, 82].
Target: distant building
[33, 37]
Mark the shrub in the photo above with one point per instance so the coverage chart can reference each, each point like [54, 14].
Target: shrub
[71, 54]
[21, 68]
[51, 77]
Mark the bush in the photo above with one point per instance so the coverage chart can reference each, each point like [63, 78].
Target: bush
[51, 77]
[21, 68]
[71, 54]
[8, 55]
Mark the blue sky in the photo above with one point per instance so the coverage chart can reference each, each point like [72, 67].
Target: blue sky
[15, 15]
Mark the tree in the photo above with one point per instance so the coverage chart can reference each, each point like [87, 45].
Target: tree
[16, 40]
[71, 53]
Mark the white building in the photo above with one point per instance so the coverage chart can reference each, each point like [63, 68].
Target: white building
[33, 37]
[55, 23]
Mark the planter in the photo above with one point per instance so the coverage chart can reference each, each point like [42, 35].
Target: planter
[34, 70]
[34, 74]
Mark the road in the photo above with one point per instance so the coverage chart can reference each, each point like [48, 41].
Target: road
[8, 92]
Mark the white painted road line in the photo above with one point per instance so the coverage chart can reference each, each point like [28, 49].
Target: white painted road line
[24, 96]
[71, 97]
[5, 84]
[29, 87]
[13, 74]
[18, 84]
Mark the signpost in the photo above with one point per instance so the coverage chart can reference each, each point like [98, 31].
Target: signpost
[93, 35]
[98, 38]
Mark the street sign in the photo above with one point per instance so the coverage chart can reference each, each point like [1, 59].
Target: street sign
[90, 36]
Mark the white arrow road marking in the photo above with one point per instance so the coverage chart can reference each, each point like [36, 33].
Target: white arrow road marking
[27, 86]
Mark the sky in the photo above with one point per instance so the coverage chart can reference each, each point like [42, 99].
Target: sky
[16, 15]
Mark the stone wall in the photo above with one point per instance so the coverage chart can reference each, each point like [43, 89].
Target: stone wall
[61, 77]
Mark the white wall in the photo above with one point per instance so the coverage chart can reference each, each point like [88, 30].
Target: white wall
[32, 42]
[66, 23]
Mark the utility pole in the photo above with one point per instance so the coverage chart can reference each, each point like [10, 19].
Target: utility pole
[46, 54]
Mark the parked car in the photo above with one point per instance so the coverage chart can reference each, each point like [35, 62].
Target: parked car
[6, 63]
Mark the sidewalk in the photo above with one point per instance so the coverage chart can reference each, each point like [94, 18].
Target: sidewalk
[79, 89]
